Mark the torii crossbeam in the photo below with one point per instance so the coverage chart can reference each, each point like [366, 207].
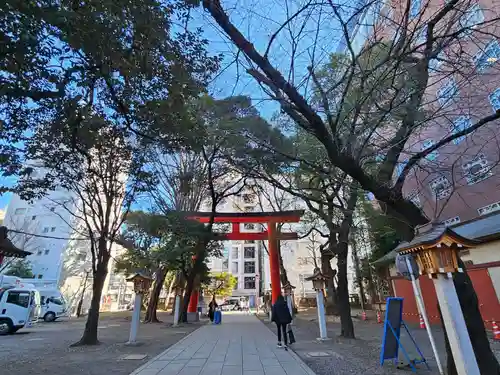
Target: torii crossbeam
[271, 235]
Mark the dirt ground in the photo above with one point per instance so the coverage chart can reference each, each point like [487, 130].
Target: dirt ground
[45, 348]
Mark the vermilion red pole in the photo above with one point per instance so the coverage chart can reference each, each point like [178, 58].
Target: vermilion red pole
[274, 263]
[193, 302]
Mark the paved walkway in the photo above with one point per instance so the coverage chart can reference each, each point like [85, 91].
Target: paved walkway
[241, 345]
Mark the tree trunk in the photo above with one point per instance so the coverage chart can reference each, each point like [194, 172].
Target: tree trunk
[151, 316]
[187, 295]
[331, 307]
[283, 275]
[488, 364]
[347, 327]
[169, 295]
[359, 278]
[90, 332]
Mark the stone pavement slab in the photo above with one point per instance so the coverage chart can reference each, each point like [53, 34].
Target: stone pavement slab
[241, 345]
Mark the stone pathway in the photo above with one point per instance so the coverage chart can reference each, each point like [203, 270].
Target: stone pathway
[241, 345]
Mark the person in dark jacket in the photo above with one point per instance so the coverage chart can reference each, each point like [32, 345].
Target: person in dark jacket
[211, 309]
[280, 315]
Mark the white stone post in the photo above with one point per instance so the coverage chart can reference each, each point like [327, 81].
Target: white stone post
[453, 318]
[136, 316]
[320, 302]
[290, 305]
[421, 307]
[177, 309]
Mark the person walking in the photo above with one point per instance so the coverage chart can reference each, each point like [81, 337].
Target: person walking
[280, 315]
[211, 309]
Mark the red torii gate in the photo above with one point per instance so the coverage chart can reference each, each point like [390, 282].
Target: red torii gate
[271, 234]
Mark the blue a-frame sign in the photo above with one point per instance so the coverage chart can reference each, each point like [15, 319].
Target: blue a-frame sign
[392, 331]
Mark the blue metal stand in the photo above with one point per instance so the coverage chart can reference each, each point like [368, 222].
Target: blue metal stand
[400, 345]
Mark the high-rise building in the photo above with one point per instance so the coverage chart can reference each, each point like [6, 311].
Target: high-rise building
[459, 181]
[249, 260]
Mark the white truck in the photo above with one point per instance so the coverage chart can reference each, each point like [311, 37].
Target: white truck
[19, 305]
[53, 304]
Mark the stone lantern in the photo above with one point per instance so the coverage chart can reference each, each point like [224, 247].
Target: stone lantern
[288, 292]
[319, 280]
[142, 283]
[436, 253]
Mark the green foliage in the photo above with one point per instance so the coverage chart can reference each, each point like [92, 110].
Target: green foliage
[220, 284]
[153, 241]
[20, 268]
[62, 62]
[384, 230]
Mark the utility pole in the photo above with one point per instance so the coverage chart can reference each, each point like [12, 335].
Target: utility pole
[80, 303]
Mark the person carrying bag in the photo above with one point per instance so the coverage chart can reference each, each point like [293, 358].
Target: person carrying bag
[280, 315]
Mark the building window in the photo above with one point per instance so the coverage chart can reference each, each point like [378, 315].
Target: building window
[19, 211]
[471, 18]
[415, 6]
[46, 230]
[47, 252]
[249, 267]
[441, 187]
[249, 226]
[236, 284]
[447, 92]
[234, 268]
[489, 208]
[414, 198]
[429, 143]
[435, 63]
[249, 252]
[477, 169]
[249, 241]
[495, 99]
[488, 56]
[235, 253]
[53, 229]
[452, 221]
[250, 282]
[248, 198]
[400, 166]
[461, 123]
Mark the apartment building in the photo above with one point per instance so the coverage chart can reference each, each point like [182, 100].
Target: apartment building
[459, 181]
[249, 260]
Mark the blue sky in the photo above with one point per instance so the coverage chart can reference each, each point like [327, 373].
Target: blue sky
[258, 20]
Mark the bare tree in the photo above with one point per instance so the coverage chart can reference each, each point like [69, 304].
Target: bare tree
[383, 103]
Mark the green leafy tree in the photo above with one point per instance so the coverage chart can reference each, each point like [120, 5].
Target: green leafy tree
[102, 175]
[220, 284]
[20, 268]
[67, 60]
[157, 244]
